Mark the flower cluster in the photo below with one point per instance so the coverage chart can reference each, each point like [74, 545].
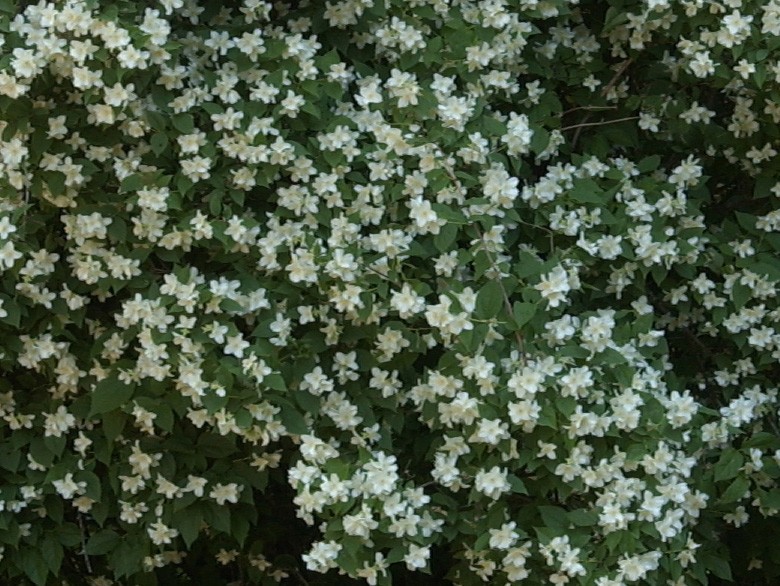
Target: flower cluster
[374, 288]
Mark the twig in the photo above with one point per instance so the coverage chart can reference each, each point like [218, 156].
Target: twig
[618, 73]
[300, 577]
[610, 84]
[582, 124]
[594, 108]
[84, 544]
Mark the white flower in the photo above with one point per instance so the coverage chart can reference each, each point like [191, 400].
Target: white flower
[417, 557]
[519, 134]
[236, 345]
[369, 92]
[223, 493]
[554, 286]
[423, 215]
[702, 65]
[67, 487]
[490, 431]
[9, 255]
[505, 537]
[161, 534]
[648, 121]
[322, 556]
[406, 302]
[745, 68]
[58, 423]
[492, 483]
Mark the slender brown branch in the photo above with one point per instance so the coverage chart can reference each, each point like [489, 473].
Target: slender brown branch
[300, 577]
[610, 84]
[589, 108]
[84, 544]
[601, 122]
[618, 73]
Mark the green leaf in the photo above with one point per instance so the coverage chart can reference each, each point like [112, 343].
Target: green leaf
[649, 164]
[444, 240]
[528, 265]
[218, 517]
[292, 419]
[554, 517]
[728, 464]
[127, 557]
[164, 419]
[312, 109]
[539, 140]
[215, 446]
[325, 61]
[156, 120]
[188, 522]
[40, 452]
[740, 295]
[747, 221]
[491, 126]
[55, 444]
[489, 300]
[517, 485]
[99, 513]
[614, 18]
[102, 542]
[275, 381]
[333, 90]
[33, 565]
[308, 402]
[113, 424]
[736, 490]
[52, 553]
[117, 231]
[109, 394]
[583, 518]
[771, 499]
[212, 108]
[763, 186]
[587, 191]
[13, 310]
[762, 439]
[132, 182]
[183, 123]
[717, 564]
[93, 489]
[159, 143]
[69, 535]
[523, 312]
[239, 528]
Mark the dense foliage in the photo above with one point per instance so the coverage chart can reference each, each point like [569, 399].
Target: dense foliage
[372, 289]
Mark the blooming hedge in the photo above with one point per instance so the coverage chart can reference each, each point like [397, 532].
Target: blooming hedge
[310, 291]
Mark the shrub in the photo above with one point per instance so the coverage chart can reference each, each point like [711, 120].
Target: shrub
[375, 289]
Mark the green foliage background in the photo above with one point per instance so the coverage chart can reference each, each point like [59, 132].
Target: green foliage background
[450, 290]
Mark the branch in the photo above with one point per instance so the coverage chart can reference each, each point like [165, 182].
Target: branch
[583, 124]
[610, 84]
[300, 577]
[616, 77]
[84, 544]
[589, 108]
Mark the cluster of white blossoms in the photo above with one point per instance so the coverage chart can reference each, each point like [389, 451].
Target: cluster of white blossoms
[470, 285]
